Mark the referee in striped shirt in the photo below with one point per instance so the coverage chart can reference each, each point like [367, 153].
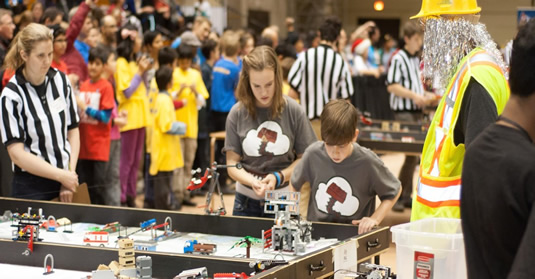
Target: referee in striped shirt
[320, 74]
[407, 98]
[39, 120]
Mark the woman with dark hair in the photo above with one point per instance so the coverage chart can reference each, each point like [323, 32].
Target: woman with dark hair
[131, 91]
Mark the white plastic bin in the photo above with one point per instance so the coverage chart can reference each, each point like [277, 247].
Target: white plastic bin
[430, 249]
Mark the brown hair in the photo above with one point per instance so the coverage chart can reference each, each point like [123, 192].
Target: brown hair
[411, 28]
[230, 43]
[26, 40]
[4, 12]
[261, 58]
[339, 121]
[200, 20]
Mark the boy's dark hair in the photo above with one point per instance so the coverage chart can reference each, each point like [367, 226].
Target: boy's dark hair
[286, 65]
[51, 13]
[207, 47]
[149, 36]
[286, 50]
[330, 29]
[264, 41]
[339, 121]
[185, 52]
[57, 30]
[411, 28]
[166, 56]
[310, 37]
[371, 31]
[99, 53]
[521, 74]
[164, 75]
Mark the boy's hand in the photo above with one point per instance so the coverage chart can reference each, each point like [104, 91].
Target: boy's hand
[365, 224]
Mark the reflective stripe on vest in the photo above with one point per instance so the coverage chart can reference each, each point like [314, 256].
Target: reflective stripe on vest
[434, 190]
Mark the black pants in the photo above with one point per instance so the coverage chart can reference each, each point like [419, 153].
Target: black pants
[406, 174]
[6, 173]
[161, 183]
[219, 121]
[93, 173]
[29, 186]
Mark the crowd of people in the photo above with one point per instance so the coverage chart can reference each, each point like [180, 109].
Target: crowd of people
[90, 92]
[120, 89]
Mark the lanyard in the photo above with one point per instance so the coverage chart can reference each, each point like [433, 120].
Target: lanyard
[505, 119]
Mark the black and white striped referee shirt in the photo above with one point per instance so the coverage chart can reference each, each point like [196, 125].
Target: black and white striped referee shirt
[405, 71]
[319, 75]
[39, 121]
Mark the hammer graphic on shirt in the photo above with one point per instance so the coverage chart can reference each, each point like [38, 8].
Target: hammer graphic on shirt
[337, 195]
[267, 136]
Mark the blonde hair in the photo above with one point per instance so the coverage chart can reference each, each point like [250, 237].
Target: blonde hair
[26, 40]
[230, 43]
[261, 58]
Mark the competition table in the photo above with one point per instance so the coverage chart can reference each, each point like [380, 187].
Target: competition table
[316, 264]
[387, 136]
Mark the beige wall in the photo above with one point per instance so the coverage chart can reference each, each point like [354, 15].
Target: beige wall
[498, 15]
[278, 10]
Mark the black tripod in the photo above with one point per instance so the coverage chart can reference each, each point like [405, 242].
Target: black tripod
[211, 174]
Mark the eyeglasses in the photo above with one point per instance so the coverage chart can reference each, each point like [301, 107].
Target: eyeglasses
[60, 41]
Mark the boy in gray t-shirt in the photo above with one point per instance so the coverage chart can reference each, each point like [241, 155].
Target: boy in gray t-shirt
[344, 177]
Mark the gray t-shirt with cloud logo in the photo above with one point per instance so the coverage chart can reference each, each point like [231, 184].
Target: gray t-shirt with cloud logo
[267, 145]
[345, 191]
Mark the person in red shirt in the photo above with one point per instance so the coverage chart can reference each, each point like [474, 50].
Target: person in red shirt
[60, 46]
[96, 102]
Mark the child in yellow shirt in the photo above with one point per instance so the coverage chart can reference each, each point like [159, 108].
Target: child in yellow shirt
[165, 141]
[188, 84]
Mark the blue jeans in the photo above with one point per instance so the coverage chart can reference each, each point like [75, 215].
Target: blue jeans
[245, 206]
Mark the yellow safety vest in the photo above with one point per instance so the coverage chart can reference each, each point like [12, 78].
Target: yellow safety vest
[439, 184]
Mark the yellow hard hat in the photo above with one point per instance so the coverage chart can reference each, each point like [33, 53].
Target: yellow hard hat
[447, 7]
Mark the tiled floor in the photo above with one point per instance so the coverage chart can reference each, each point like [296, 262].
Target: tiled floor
[392, 161]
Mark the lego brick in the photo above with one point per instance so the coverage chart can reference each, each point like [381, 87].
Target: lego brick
[144, 272]
[131, 272]
[127, 252]
[103, 267]
[127, 261]
[144, 261]
[114, 265]
[125, 243]
[102, 274]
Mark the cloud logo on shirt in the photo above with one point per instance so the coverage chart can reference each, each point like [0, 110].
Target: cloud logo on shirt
[267, 140]
[336, 197]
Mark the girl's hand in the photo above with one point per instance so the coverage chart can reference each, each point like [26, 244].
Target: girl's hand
[65, 195]
[270, 181]
[259, 188]
[144, 64]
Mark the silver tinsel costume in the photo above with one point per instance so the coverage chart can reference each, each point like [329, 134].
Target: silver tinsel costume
[447, 41]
